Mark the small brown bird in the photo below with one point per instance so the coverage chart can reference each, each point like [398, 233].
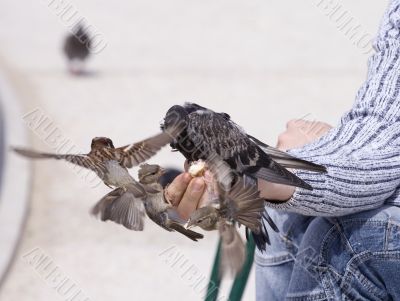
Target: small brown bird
[108, 162]
[124, 207]
[77, 49]
[241, 204]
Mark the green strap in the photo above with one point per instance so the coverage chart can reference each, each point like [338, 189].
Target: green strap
[240, 282]
[215, 281]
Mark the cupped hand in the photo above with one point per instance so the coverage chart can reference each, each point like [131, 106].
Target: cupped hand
[185, 193]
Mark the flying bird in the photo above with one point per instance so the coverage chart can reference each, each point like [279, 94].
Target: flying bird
[206, 134]
[77, 49]
[108, 162]
[126, 207]
[240, 204]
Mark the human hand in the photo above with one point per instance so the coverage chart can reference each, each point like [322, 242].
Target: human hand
[301, 132]
[185, 193]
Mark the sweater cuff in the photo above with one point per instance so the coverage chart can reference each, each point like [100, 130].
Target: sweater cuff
[306, 202]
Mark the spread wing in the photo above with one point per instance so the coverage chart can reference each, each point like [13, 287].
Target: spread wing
[122, 207]
[81, 160]
[136, 153]
[239, 199]
[243, 204]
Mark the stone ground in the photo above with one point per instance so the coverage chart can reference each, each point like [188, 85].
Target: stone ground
[264, 62]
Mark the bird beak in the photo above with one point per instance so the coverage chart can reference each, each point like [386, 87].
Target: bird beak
[163, 171]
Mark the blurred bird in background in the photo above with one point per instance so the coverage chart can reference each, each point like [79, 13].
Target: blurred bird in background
[77, 49]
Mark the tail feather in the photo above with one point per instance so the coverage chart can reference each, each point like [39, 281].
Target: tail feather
[270, 221]
[188, 233]
[287, 160]
[275, 173]
[261, 240]
[233, 251]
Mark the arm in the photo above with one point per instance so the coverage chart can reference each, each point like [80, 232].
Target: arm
[362, 152]
[356, 180]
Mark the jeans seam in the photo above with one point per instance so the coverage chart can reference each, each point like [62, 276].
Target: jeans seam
[274, 261]
[388, 228]
[328, 289]
[344, 240]
[310, 297]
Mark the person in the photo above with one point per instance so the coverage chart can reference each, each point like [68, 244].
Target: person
[340, 241]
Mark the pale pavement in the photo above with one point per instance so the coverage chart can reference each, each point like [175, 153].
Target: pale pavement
[263, 62]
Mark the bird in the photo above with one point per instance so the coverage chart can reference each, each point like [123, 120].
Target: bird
[108, 162]
[126, 207]
[241, 205]
[76, 48]
[206, 133]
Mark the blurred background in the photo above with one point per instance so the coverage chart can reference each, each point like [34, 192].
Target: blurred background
[263, 62]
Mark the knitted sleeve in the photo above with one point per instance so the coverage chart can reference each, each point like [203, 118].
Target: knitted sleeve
[362, 154]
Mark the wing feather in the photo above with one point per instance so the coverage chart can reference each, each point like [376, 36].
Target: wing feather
[136, 153]
[81, 160]
[122, 207]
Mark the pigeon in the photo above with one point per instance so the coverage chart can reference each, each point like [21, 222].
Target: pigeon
[108, 162]
[207, 134]
[77, 49]
[126, 207]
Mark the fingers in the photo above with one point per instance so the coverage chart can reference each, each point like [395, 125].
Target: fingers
[191, 198]
[177, 188]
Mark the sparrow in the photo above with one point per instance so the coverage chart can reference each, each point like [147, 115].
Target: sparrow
[241, 205]
[77, 48]
[126, 207]
[206, 134]
[108, 162]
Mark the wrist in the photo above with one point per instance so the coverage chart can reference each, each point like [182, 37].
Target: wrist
[275, 192]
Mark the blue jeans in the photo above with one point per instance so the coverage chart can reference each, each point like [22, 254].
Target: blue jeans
[354, 257]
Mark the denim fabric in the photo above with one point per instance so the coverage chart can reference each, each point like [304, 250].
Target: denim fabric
[355, 257]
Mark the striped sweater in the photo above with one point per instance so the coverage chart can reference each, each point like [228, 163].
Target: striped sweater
[362, 153]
